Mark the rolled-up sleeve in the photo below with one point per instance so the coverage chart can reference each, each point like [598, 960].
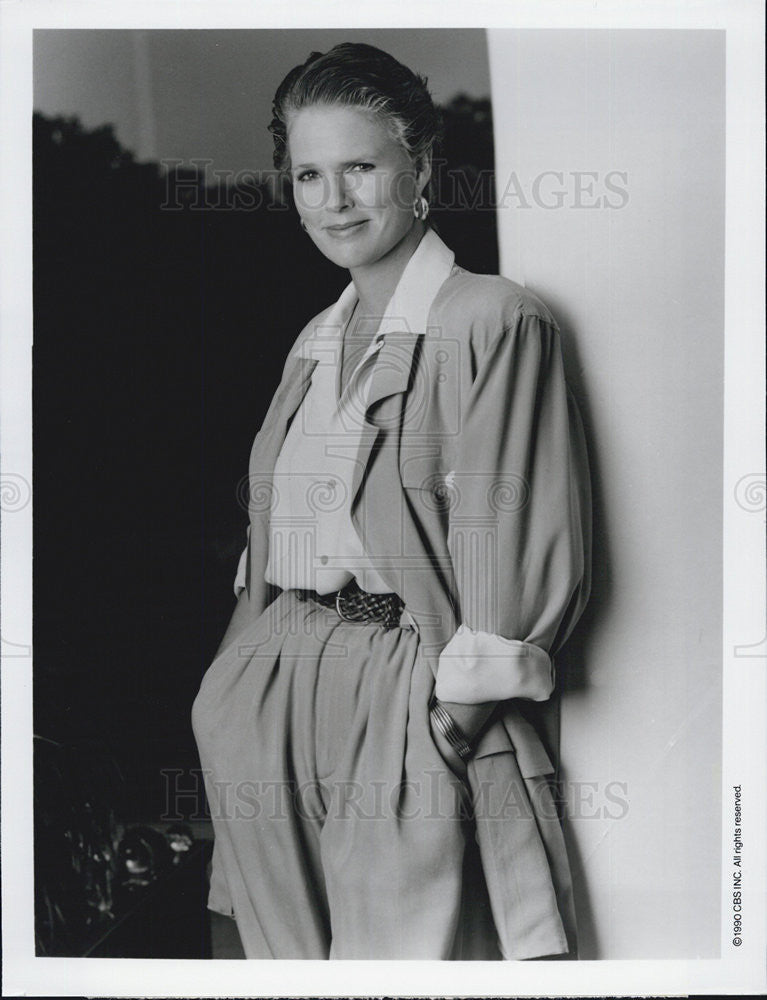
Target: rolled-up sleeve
[520, 521]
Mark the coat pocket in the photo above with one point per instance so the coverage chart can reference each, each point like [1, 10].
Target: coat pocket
[520, 843]
[514, 734]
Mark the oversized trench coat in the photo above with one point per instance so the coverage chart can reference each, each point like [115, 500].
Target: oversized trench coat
[471, 497]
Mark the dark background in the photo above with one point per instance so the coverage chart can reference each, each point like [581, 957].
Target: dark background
[163, 312]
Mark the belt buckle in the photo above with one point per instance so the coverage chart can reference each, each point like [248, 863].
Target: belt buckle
[341, 615]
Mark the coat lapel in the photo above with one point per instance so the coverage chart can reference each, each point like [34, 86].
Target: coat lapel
[263, 458]
[393, 367]
[402, 327]
[391, 376]
[284, 406]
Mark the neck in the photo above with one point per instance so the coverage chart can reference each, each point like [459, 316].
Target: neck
[375, 283]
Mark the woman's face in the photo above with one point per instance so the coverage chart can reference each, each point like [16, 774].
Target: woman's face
[353, 185]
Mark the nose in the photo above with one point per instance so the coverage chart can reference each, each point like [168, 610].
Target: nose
[339, 193]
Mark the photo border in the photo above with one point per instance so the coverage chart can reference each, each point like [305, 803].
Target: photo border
[744, 652]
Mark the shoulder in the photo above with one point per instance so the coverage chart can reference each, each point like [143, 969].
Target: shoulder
[482, 307]
[487, 298]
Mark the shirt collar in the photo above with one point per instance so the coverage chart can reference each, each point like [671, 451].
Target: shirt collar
[408, 307]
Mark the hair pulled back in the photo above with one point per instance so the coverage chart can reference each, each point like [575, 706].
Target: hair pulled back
[364, 77]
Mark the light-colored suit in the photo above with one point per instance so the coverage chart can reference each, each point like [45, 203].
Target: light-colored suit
[470, 495]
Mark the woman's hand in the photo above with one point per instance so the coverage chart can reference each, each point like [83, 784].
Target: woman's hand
[447, 753]
[471, 719]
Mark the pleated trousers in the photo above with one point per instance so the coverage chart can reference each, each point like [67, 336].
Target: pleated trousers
[340, 831]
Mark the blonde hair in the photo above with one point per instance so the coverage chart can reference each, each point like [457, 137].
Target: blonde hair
[364, 77]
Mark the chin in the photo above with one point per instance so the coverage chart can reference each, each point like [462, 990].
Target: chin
[348, 257]
[359, 252]
[352, 261]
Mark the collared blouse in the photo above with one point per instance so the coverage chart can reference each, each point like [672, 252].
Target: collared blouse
[312, 541]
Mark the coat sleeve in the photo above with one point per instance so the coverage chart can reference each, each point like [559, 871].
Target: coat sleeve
[520, 520]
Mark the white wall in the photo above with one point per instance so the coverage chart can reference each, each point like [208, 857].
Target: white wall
[638, 291]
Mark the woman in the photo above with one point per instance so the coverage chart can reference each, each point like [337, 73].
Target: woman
[417, 549]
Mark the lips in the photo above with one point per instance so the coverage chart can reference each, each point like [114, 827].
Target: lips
[346, 227]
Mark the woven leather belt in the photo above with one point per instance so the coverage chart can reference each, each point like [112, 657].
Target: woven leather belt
[356, 605]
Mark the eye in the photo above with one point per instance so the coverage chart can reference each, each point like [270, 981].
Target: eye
[363, 166]
[306, 175]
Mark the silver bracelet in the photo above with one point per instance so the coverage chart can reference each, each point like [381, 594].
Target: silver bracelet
[450, 729]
